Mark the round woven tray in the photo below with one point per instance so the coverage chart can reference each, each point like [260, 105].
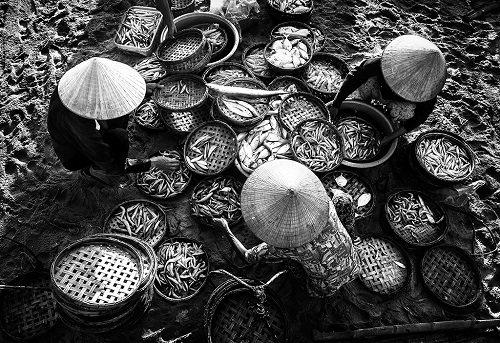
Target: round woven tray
[291, 29]
[353, 184]
[191, 263]
[181, 92]
[219, 42]
[385, 268]
[416, 218]
[253, 59]
[223, 72]
[360, 146]
[150, 69]
[451, 275]
[282, 14]
[148, 115]
[180, 7]
[219, 140]
[183, 122]
[28, 313]
[301, 106]
[145, 219]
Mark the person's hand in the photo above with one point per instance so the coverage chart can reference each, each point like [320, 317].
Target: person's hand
[220, 222]
[165, 163]
[151, 86]
[333, 113]
[385, 141]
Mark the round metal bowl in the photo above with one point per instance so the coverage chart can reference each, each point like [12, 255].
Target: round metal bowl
[189, 20]
[383, 124]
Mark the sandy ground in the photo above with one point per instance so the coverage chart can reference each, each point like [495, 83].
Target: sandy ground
[45, 207]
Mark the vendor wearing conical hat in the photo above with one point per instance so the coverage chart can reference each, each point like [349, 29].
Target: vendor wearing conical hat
[406, 79]
[88, 116]
[285, 204]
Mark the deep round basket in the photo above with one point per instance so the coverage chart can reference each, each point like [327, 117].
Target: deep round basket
[282, 10]
[288, 56]
[253, 58]
[292, 30]
[299, 106]
[181, 92]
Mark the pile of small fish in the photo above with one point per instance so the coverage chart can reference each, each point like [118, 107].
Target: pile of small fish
[292, 6]
[408, 211]
[140, 220]
[217, 197]
[444, 159]
[265, 142]
[288, 54]
[241, 108]
[361, 141]
[199, 152]
[360, 195]
[150, 69]
[148, 115]
[161, 184]
[182, 269]
[215, 36]
[323, 76]
[255, 60]
[317, 146]
[138, 28]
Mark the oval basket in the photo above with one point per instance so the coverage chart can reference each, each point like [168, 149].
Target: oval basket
[211, 198]
[183, 122]
[415, 218]
[181, 92]
[150, 69]
[224, 72]
[317, 139]
[353, 184]
[334, 72]
[253, 58]
[217, 39]
[277, 11]
[148, 115]
[220, 140]
[288, 83]
[298, 63]
[180, 7]
[452, 277]
[435, 152]
[190, 263]
[287, 29]
[385, 268]
[301, 106]
[158, 184]
[148, 224]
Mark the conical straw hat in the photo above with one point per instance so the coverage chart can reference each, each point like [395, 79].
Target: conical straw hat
[100, 88]
[284, 204]
[414, 68]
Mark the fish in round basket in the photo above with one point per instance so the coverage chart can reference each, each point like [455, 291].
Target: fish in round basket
[148, 116]
[361, 139]
[321, 76]
[292, 6]
[288, 54]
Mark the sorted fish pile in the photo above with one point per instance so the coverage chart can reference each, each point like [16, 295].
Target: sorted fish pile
[317, 145]
[182, 270]
[138, 28]
[215, 35]
[361, 140]
[217, 197]
[150, 69]
[254, 59]
[323, 76]
[199, 152]
[243, 109]
[444, 159]
[161, 184]
[148, 115]
[352, 185]
[265, 142]
[288, 54]
[292, 6]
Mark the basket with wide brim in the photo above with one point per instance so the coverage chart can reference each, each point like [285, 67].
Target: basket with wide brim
[216, 36]
[442, 158]
[283, 10]
[357, 186]
[148, 116]
[139, 218]
[28, 313]
[451, 275]
[210, 148]
[300, 106]
[292, 30]
[183, 122]
[180, 7]
[221, 73]
[159, 184]
[181, 92]
[183, 267]
[415, 218]
[253, 58]
[150, 69]
[317, 144]
[385, 268]
[324, 75]
[288, 56]
[217, 197]
[361, 139]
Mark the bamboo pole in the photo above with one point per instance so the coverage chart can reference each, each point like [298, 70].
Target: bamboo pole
[407, 329]
[25, 287]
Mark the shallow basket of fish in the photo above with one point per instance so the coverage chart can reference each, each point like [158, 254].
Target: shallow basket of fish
[443, 157]
[139, 218]
[150, 69]
[361, 139]
[451, 275]
[265, 142]
[416, 218]
[210, 148]
[288, 56]
[324, 75]
[285, 10]
[253, 58]
[317, 144]
[160, 184]
[183, 122]
[385, 268]
[217, 197]
[148, 115]
[224, 72]
[183, 268]
[181, 92]
[180, 7]
[357, 186]
[139, 30]
[216, 36]
[300, 106]
[288, 83]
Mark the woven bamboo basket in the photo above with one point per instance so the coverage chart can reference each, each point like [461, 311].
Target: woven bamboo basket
[353, 184]
[28, 313]
[221, 73]
[220, 140]
[287, 29]
[180, 7]
[415, 218]
[183, 122]
[278, 12]
[148, 116]
[385, 268]
[218, 43]
[181, 92]
[283, 68]
[301, 106]
[452, 277]
[182, 249]
[253, 59]
[145, 219]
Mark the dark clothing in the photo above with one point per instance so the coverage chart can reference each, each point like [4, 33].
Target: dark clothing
[370, 68]
[78, 143]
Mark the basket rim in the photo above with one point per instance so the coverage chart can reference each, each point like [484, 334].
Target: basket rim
[228, 64]
[343, 69]
[308, 96]
[172, 40]
[244, 56]
[288, 70]
[295, 80]
[187, 76]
